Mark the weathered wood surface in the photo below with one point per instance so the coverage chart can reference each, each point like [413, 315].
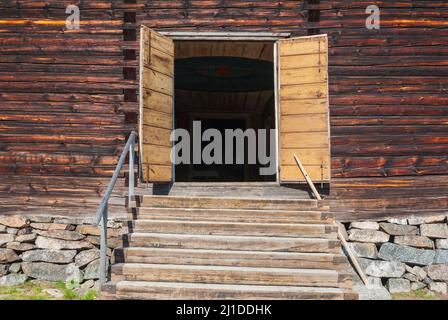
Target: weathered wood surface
[156, 105]
[388, 108]
[64, 118]
[304, 124]
[387, 89]
[69, 97]
[239, 254]
[233, 258]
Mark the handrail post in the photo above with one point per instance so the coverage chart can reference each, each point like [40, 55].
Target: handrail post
[103, 248]
[102, 212]
[131, 174]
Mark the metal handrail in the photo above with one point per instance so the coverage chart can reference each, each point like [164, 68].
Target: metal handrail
[102, 212]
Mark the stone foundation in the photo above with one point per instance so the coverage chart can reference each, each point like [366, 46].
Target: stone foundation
[397, 255]
[403, 255]
[52, 248]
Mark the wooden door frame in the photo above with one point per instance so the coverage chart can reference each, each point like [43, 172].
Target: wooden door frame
[238, 36]
[247, 37]
[225, 36]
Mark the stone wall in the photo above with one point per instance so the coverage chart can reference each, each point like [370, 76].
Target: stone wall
[52, 248]
[403, 255]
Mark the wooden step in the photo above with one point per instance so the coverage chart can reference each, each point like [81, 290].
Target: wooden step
[245, 243]
[108, 291]
[235, 228]
[229, 275]
[234, 258]
[230, 189]
[229, 203]
[232, 215]
[202, 291]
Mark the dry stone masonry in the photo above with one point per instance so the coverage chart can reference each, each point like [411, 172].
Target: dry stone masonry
[403, 255]
[52, 249]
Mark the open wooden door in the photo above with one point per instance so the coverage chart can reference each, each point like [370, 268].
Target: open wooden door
[303, 108]
[156, 105]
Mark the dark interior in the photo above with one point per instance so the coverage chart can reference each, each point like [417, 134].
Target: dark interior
[226, 85]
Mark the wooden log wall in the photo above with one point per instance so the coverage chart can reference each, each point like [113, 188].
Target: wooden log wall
[64, 115]
[389, 106]
[69, 97]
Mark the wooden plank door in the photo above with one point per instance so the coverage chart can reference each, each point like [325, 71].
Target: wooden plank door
[156, 105]
[303, 108]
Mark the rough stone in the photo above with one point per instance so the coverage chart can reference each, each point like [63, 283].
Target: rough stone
[51, 243]
[364, 250]
[415, 241]
[438, 287]
[23, 231]
[113, 224]
[367, 225]
[398, 230]
[91, 271]
[435, 219]
[96, 231]
[73, 220]
[427, 280]
[398, 221]
[58, 226]
[61, 234]
[3, 269]
[19, 246]
[71, 227]
[438, 272]
[97, 285]
[342, 230]
[382, 269]
[95, 240]
[15, 267]
[111, 243]
[415, 221]
[40, 218]
[8, 256]
[395, 252]
[54, 256]
[13, 231]
[88, 284]
[2, 228]
[85, 257]
[371, 293]
[410, 277]
[435, 230]
[48, 226]
[5, 238]
[441, 256]
[85, 287]
[13, 279]
[14, 221]
[52, 272]
[374, 282]
[442, 243]
[374, 236]
[417, 286]
[55, 293]
[398, 285]
[40, 225]
[29, 237]
[418, 271]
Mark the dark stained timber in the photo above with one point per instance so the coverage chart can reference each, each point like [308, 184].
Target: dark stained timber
[67, 102]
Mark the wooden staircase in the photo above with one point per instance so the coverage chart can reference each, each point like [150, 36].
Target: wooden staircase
[229, 248]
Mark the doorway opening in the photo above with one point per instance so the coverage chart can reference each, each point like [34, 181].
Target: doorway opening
[225, 85]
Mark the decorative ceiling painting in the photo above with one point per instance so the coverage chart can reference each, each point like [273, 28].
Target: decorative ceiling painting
[223, 74]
